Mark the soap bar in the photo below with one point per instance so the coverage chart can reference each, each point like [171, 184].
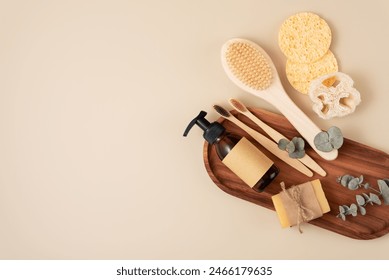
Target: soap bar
[282, 213]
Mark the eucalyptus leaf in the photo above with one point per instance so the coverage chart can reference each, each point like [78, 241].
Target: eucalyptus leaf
[386, 181]
[297, 154]
[322, 143]
[353, 209]
[375, 199]
[360, 179]
[282, 144]
[367, 198]
[342, 216]
[353, 184]
[290, 148]
[345, 179]
[360, 200]
[362, 210]
[335, 137]
[341, 209]
[384, 189]
[299, 143]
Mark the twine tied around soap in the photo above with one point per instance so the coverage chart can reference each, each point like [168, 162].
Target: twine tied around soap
[304, 214]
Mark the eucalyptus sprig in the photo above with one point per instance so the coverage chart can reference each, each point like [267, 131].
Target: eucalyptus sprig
[364, 199]
[295, 147]
[354, 183]
[347, 210]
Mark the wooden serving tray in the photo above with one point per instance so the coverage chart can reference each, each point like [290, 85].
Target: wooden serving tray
[354, 159]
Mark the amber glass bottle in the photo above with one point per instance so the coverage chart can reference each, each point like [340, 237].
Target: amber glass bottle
[238, 154]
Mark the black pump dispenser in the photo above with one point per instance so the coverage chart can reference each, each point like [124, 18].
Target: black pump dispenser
[212, 131]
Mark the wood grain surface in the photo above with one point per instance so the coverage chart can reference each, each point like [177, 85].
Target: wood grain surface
[354, 158]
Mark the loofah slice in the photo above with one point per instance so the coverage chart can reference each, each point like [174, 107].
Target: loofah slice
[333, 95]
[304, 37]
[300, 75]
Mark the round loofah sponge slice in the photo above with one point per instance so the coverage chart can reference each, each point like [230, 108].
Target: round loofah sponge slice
[338, 98]
[304, 37]
[300, 75]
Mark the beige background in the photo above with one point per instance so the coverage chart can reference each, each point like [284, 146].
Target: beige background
[94, 98]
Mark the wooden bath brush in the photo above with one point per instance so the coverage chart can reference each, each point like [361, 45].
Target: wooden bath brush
[251, 68]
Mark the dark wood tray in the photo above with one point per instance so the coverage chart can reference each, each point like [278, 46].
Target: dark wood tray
[354, 159]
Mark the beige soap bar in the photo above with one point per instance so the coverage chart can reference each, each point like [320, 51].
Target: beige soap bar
[280, 209]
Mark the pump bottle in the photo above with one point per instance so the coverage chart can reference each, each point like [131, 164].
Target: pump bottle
[241, 156]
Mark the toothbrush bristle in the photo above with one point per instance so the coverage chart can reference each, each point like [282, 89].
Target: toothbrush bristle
[221, 111]
[249, 65]
[238, 105]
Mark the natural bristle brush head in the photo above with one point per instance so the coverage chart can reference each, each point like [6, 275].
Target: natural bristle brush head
[221, 111]
[238, 105]
[247, 64]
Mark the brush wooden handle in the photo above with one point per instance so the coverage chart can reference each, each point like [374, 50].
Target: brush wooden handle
[272, 147]
[276, 136]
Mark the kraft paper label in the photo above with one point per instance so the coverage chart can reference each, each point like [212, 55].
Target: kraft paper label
[247, 162]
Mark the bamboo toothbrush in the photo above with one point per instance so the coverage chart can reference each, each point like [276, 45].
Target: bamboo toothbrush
[251, 68]
[274, 134]
[264, 141]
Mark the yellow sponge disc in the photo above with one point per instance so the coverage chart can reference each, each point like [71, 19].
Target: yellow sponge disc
[304, 37]
[300, 75]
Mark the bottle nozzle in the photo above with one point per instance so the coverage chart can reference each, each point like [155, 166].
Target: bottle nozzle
[211, 130]
[197, 120]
